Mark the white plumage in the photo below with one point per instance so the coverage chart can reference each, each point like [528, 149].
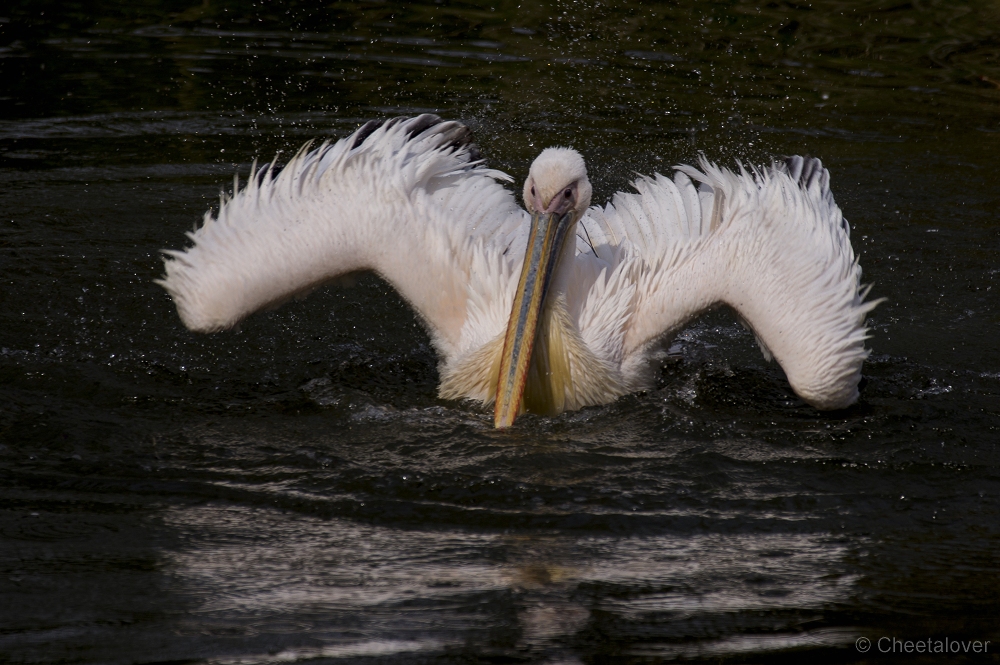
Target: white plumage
[411, 200]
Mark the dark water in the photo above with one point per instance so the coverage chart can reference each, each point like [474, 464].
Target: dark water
[296, 492]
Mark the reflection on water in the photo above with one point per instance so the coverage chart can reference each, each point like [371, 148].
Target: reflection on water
[244, 572]
[297, 491]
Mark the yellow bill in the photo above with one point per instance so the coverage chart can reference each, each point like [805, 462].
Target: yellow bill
[545, 241]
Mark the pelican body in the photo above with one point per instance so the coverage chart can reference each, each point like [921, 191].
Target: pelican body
[554, 306]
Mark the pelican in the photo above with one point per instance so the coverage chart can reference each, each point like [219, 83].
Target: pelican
[554, 306]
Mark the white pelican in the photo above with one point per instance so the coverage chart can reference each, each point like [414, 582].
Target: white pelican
[552, 308]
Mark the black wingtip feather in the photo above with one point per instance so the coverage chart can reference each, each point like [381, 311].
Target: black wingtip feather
[458, 135]
[366, 130]
[420, 124]
[807, 170]
[793, 166]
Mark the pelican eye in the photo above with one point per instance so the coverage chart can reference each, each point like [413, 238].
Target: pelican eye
[568, 193]
[532, 190]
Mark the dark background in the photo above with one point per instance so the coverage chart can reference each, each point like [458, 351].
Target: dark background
[296, 491]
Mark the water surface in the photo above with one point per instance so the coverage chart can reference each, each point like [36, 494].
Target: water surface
[297, 492]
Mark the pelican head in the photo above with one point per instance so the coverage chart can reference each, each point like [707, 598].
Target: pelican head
[557, 183]
[556, 193]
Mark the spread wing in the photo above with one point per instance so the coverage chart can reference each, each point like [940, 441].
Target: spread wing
[773, 245]
[409, 199]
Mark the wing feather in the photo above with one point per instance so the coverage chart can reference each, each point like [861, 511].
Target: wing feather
[773, 245]
[408, 198]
